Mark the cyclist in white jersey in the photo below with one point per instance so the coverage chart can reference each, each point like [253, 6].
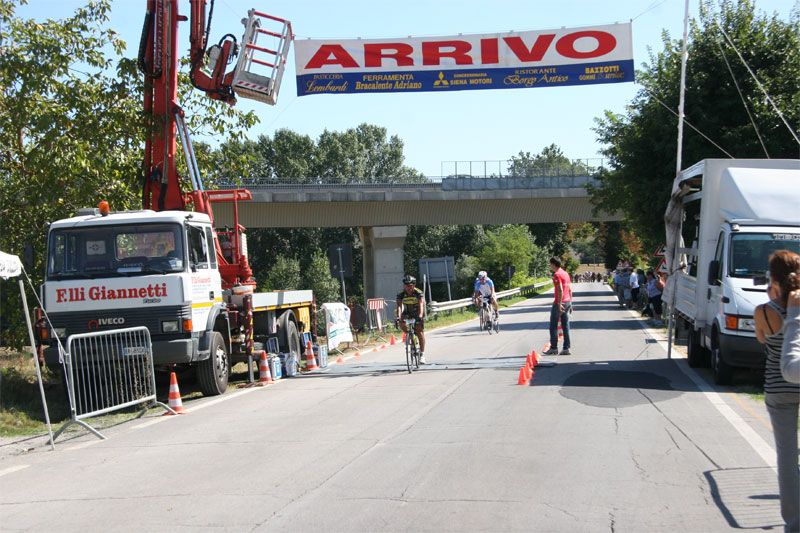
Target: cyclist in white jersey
[484, 286]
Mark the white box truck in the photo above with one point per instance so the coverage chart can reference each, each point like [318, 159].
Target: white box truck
[735, 213]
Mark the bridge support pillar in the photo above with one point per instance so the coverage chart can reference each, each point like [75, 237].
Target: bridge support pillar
[383, 260]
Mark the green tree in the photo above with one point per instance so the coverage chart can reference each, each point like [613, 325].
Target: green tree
[550, 162]
[510, 244]
[284, 275]
[640, 144]
[317, 277]
[72, 128]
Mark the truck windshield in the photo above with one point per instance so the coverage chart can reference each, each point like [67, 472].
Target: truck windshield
[112, 251]
[750, 251]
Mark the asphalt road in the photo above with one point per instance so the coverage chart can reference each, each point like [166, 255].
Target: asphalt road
[615, 437]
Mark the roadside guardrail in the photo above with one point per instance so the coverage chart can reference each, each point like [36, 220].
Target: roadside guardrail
[437, 307]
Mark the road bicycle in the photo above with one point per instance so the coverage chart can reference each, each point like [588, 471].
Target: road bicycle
[488, 319]
[412, 353]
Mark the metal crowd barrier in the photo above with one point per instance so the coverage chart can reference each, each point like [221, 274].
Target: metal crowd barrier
[376, 318]
[437, 307]
[107, 371]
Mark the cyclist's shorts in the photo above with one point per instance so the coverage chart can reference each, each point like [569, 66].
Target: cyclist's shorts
[420, 324]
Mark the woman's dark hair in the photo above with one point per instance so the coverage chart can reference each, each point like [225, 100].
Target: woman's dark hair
[784, 268]
[651, 273]
[556, 262]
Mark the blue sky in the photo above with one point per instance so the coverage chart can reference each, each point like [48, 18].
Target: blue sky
[438, 129]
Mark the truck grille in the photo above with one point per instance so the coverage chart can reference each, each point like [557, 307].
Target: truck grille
[150, 317]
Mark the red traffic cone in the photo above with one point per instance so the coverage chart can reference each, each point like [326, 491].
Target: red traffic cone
[529, 361]
[534, 358]
[356, 354]
[340, 360]
[392, 340]
[546, 347]
[311, 361]
[174, 396]
[404, 337]
[524, 379]
[560, 331]
[264, 374]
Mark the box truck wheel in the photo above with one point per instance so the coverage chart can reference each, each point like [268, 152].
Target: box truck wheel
[212, 374]
[720, 370]
[292, 342]
[698, 357]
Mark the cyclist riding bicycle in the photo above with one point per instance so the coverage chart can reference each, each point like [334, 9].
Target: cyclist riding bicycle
[484, 287]
[411, 304]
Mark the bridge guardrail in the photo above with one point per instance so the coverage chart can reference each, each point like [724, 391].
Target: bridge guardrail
[437, 307]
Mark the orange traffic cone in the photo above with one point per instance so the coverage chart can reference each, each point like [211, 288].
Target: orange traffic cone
[530, 361]
[524, 379]
[311, 361]
[340, 360]
[174, 396]
[383, 346]
[375, 349]
[356, 354]
[392, 340]
[404, 337]
[535, 358]
[546, 347]
[560, 331]
[264, 374]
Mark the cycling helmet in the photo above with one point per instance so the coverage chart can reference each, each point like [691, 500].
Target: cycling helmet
[409, 280]
[482, 274]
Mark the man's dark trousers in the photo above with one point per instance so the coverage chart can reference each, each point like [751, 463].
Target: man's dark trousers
[555, 315]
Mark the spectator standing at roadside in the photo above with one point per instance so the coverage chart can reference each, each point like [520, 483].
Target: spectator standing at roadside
[790, 354]
[634, 289]
[654, 289]
[617, 282]
[562, 306]
[625, 286]
[782, 398]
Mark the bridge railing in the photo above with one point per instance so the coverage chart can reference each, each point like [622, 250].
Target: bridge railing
[448, 183]
[452, 305]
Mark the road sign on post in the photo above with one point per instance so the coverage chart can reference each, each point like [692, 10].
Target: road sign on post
[438, 269]
[341, 260]
[509, 270]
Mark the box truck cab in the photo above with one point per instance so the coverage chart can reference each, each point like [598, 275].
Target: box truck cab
[735, 213]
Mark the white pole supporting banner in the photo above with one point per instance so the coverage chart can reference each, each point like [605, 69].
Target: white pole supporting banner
[513, 60]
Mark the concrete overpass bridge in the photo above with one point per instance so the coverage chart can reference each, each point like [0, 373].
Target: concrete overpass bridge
[382, 210]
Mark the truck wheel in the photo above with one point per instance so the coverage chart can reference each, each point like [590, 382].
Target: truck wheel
[212, 374]
[293, 342]
[697, 356]
[720, 370]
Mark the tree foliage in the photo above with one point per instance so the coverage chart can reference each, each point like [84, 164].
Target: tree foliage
[72, 125]
[641, 144]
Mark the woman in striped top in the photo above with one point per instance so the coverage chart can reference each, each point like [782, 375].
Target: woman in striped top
[782, 398]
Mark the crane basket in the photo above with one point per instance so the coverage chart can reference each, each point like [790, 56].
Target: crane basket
[262, 86]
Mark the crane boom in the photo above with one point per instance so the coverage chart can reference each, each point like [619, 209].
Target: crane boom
[159, 61]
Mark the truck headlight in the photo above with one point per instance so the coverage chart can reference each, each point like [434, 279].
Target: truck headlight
[169, 326]
[740, 323]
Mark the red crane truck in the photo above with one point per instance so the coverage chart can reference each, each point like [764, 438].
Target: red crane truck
[167, 266]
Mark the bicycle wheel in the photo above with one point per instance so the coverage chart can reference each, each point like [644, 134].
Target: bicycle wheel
[482, 316]
[409, 352]
[496, 325]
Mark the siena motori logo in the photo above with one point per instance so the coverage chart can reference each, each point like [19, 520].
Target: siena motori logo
[101, 322]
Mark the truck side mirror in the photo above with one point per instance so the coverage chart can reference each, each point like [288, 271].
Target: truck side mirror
[713, 273]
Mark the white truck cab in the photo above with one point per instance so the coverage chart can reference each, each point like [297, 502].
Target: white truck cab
[736, 213]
